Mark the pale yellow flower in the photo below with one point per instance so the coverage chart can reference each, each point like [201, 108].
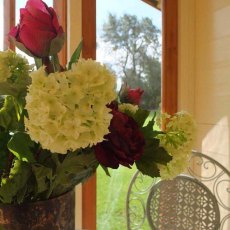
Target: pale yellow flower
[67, 110]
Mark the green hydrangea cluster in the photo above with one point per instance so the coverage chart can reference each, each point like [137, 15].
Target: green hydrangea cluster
[177, 141]
[128, 107]
[67, 110]
[13, 67]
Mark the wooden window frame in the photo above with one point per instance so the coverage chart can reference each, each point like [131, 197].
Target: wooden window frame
[9, 22]
[61, 9]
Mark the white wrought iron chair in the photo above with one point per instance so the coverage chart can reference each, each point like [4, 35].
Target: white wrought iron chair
[199, 199]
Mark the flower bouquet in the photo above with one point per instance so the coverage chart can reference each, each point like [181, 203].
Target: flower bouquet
[58, 124]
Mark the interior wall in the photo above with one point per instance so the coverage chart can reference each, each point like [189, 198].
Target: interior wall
[204, 73]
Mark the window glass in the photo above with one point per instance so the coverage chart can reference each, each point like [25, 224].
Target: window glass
[112, 191]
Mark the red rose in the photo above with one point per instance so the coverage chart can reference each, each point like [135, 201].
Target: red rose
[132, 96]
[38, 33]
[123, 145]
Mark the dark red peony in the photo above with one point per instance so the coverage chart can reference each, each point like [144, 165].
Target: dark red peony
[132, 96]
[38, 33]
[123, 145]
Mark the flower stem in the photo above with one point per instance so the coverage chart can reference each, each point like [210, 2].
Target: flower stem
[48, 64]
[55, 62]
[38, 62]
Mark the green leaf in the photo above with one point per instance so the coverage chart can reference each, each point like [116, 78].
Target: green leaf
[13, 188]
[153, 155]
[55, 62]
[38, 62]
[4, 138]
[140, 116]
[8, 114]
[106, 170]
[74, 169]
[43, 176]
[75, 55]
[20, 46]
[148, 168]
[148, 128]
[20, 145]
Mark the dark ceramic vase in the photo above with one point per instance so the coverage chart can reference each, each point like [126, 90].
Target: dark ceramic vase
[53, 214]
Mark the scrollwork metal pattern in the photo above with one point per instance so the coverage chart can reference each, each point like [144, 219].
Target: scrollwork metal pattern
[203, 168]
[217, 178]
[139, 188]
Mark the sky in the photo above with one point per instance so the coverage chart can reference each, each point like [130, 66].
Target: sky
[120, 7]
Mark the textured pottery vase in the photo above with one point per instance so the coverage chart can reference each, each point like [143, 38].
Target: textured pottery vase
[53, 214]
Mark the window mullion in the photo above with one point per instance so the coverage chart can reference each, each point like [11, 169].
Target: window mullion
[9, 21]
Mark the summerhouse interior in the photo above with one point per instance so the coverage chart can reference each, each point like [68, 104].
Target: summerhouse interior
[195, 72]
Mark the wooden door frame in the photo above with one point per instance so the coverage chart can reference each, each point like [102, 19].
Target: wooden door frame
[169, 80]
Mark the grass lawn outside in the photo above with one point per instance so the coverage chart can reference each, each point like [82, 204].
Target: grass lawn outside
[111, 198]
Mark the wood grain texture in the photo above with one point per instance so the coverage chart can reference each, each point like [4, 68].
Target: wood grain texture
[89, 51]
[89, 29]
[9, 21]
[169, 55]
[61, 10]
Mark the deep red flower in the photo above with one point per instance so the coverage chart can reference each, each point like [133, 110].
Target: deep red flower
[38, 33]
[123, 145]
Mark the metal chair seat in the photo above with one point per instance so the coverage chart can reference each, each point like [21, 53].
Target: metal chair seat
[182, 204]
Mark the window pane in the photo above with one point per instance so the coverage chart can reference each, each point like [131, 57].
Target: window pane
[141, 70]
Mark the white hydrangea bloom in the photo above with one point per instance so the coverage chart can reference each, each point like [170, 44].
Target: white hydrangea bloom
[67, 110]
[128, 107]
[178, 141]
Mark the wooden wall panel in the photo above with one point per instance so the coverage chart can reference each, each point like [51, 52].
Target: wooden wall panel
[212, 81]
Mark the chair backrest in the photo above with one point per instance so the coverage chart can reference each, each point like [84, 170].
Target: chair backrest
[199, 199]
